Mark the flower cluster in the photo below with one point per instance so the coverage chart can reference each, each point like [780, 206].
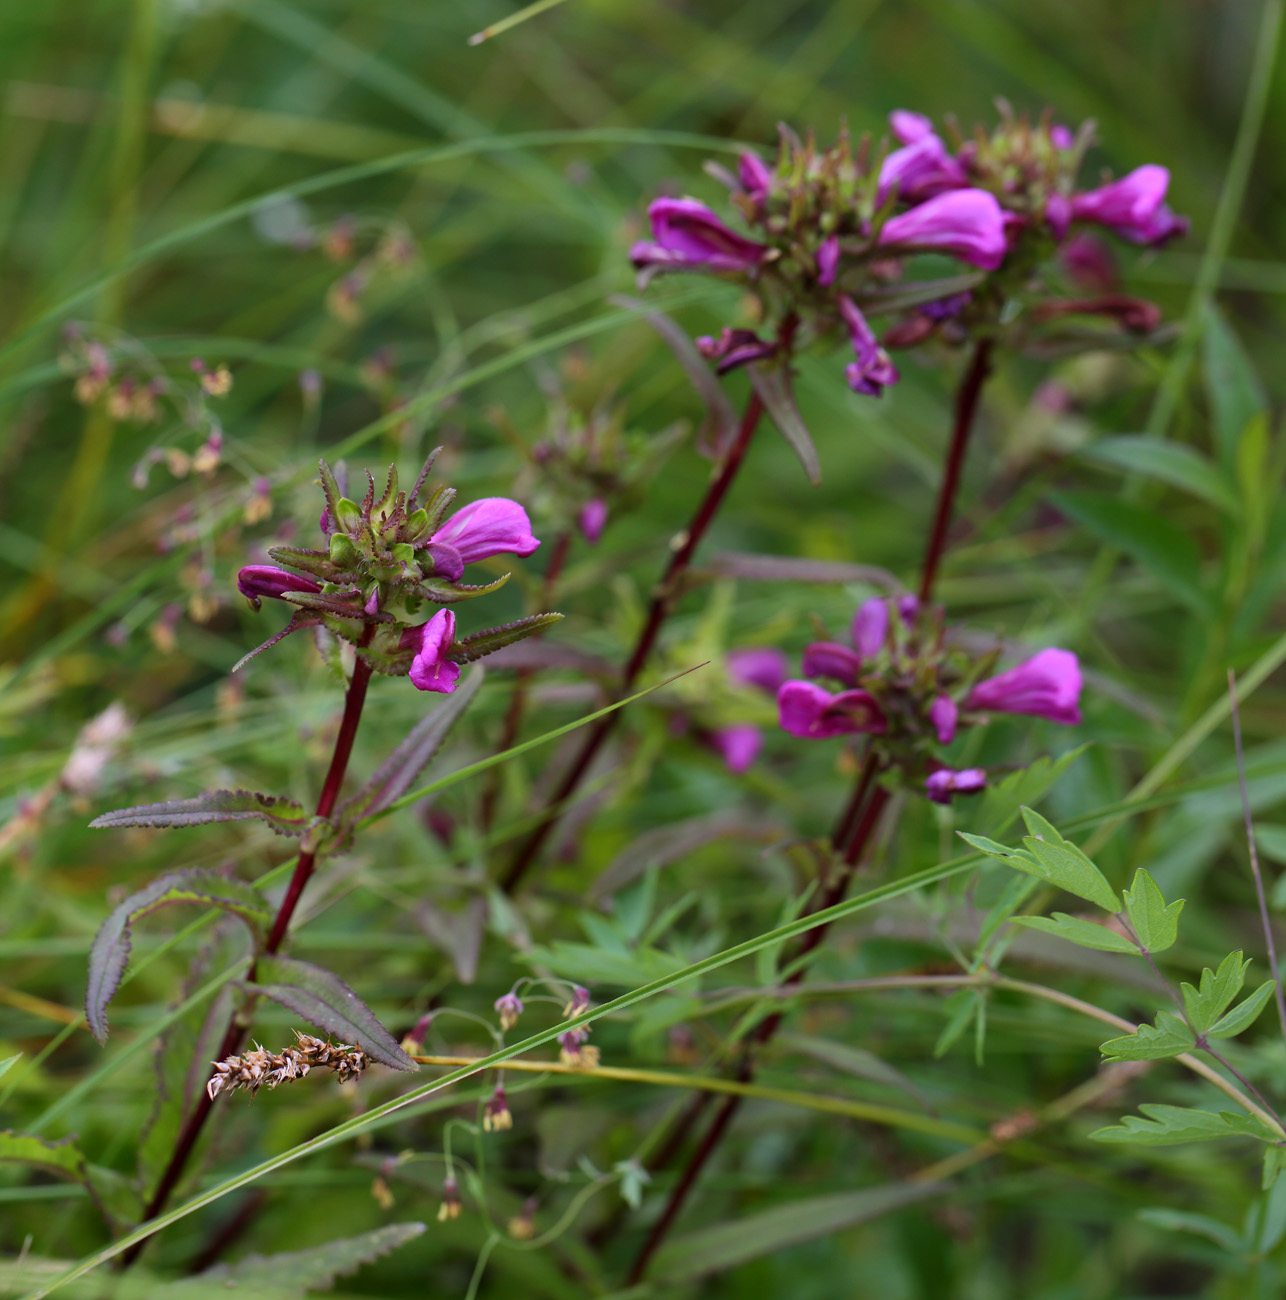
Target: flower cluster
[833, 228]
[902, 684]
[261, 1068]
[388, 563]
[574, 1049]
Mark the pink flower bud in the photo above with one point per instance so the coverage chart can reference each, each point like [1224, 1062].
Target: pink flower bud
[755, 177]
[919, 170]
[765, 668]
[1048, 685]
[943, 783]
[256, 581]
[830, 659]
[871, 626]
[908, 127]
[738, 745]
[828, 260]
[593, 519]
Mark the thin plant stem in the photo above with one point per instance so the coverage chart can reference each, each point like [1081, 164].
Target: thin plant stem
[687, 543]
[191, 1131]
[966, 411]
[1254, 852]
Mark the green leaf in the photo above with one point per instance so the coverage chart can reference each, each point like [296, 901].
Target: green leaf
[1165, 461]
[296, 1272]
[963, 1006]
[111, 946]
[1168, 1037]
[1200, 1225]
[725, 1246]
[1075, 930]
[1255, 480]
[1243, 1015]
[284, 816]
[8, 1063]
[772, 383]
[1168, 1125]
[1064, 865]
[324, 1000]
[589, 964]
[1153, 541]
[1274, 1161]
[107, 1188]
[1271, 840]
[1156, 925]
[1206, 1004]
[1234, 389]
[1028, 785]
[856, 1061]
[1010, 857]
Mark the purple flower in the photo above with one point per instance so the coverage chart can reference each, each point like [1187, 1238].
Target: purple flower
[920, 169]
[593, 518]
[765, 668]
[1047, 685]
[1089, 263]
[734, 348]
[1129, 203]
[755, 177]
[830, 659]
[967, 224]
[485, 528]
[945, 782]
[576, 1005]
[871, 626]
[509, 1007]
[872, 372]
[908, 127]
[828, 260]
[448, 563]
[430, 669]
[943, 714]
[258, 580]
[810, 712]
[688, 234]
[1061, 137]
[738, 745]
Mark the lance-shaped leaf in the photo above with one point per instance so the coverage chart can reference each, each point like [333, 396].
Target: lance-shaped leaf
[1168, 1037]
[479, 644]
[1244, 1014]
[324, 1000]
[285, 816]
[1075, 930]
[1166, 1125]
[1156, 925]
[298, 622]
[1206, 1004]
[292, 1273]
[772, 383]
[111, 946]
[399, 771]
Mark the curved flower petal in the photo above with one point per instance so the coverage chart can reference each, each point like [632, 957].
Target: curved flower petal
[872, 372]
[430, 670]
[1048, 685]
[762, 667]
[593, 519]
[1126, 204]
[448, 563]
[754, 174]
[908, 127]
[871, 626]
[815, 714]
[688, 233]
[488, 527]
[738, 745]
[256, 581]
[943, 714]
[920, 169]
[829, 659]
[967, 224]
[945, 782]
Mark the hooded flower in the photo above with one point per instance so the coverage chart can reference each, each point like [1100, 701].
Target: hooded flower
[593, 519]
[967, 224]
[430, 669]
[872, 372]
[945, 782]
[258, 580]
[764, 669]
[908, 127]
[943, 714]
[754, 175]
[485, 528]
[1130, 203]
[812, 713]
[688, 234]
[1048, 685]
[920, 169]
[871, 626]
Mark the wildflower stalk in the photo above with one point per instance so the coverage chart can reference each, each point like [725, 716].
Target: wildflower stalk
[234, 1035]
[658, 611]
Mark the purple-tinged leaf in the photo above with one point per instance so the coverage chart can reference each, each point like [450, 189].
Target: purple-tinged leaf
[325, 1001]
[111, 946]
[790, 568]
[318, 563]
[298, 622]
[336, 606]
[479, 644]
[285, 816]
[398, 772]
[772, 383]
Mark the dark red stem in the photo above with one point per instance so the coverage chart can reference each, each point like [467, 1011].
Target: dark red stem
[688, 541]
[967, 396]
[191, 1131]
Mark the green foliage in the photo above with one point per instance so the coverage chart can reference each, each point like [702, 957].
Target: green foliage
[1088, 934]
[1166, 1125]
[1168, 1036]
[1155, 924]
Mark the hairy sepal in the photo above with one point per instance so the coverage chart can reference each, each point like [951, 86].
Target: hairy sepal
[479, 644]
[284, 816]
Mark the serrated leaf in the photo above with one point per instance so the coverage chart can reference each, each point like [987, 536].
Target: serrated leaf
[1165, 461]
[400, 770]
[452, 593]
[296, 1272]
[1084, 933]
[469, 648]
[1067, 867]
[1242, 1016]
[1156, 925]
[772, 383]
[1168, 1037]
[284, 816]
[324, 1000]
[111, 946]
[1168, 1125]
[1217, 990]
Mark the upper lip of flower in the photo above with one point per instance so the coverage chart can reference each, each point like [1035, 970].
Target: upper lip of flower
[687, 233]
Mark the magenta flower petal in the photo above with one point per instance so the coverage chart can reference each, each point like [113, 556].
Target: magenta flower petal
[943, 783]
[738, 745]
[943, 714]
[908, 127]
[871, 626]
[872, 372]
[1128, 204]
[1048, 685]
[920, 169]
[765, 668]
[829, 659]
[755, 177]
[828, 260]
[687, 233]
[815, 714]
[488, 527]
[733, 348]
[593, 519]
[967, 224]
[1062, 137]
[430, 670]
[258, 580]
[448, 563]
